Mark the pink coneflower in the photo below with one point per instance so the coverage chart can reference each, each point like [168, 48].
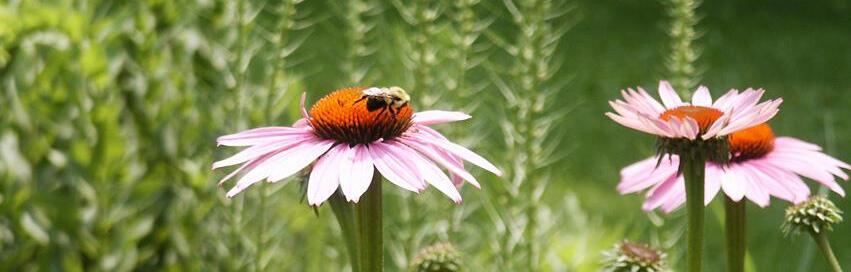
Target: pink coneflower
[349, 134]
[731, 112]
[760, 166]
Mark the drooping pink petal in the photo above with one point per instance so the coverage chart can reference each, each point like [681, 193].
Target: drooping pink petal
[733, 184]
[441, 158]
[770, 184]
[258, 150]
[438, 117]
[793, 143]
[785, 178]
[677, 198]
[282, 164]
[754, 189]
[458, 150]
[669, 97]
[643, 174]
[406, 157]
[435, 176]
[664, 191]
[358, 178]
[712, 179]
[325, 175]
[293, 160]
[261, 136]
[248, 165]
[390, 169]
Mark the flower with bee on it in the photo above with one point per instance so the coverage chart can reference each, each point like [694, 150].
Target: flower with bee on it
[350, 141]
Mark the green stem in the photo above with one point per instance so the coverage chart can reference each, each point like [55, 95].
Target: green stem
[693, 172]
[824, 245]
[736, 242]
[345, 214]
[260, 245]
[368, 220]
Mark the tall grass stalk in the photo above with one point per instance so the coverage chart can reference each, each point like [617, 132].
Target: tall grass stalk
[681, 62]
[527, 125]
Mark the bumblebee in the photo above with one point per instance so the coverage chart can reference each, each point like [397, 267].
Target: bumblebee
[385, 99]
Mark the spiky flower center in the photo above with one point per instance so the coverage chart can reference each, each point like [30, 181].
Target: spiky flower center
[751, 143]
[715, 149]
[704, 116]
[344, 116]
[640, 252]
[814, 215]
[634, 257]
[440, 257]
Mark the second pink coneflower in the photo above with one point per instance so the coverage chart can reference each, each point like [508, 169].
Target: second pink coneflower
[760, 166]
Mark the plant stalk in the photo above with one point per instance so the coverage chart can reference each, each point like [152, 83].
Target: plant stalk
[368, 220]
[736, 241]
[345, 214]
[824, 245]
[693, 168]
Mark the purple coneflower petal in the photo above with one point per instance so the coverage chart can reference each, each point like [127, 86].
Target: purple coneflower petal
[293, 160]
[788, 180]
[753, 190]
[436, 177]
[724, 103]
[325, 175]
[304, 114]
[643, 174]
[248, 165]
[659, 194]
[359, 164]
[388, 166]
[670, 98]
[458, 150]
[771, 185]
[260, 136]
[442, 158]
[302, 123]
[438, 117]
[702, 97]
[407, 158]
[257, 151]
[733, 184]
[712, 181]
[283, 164]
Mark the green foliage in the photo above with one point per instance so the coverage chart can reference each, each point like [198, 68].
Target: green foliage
[109, 112]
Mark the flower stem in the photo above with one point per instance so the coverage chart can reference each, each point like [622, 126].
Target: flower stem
[368, 220]
[692, 168]
[824, 245]
[345, 214]
[736, 242]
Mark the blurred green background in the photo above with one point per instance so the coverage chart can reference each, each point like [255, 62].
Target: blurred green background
[109, 112]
